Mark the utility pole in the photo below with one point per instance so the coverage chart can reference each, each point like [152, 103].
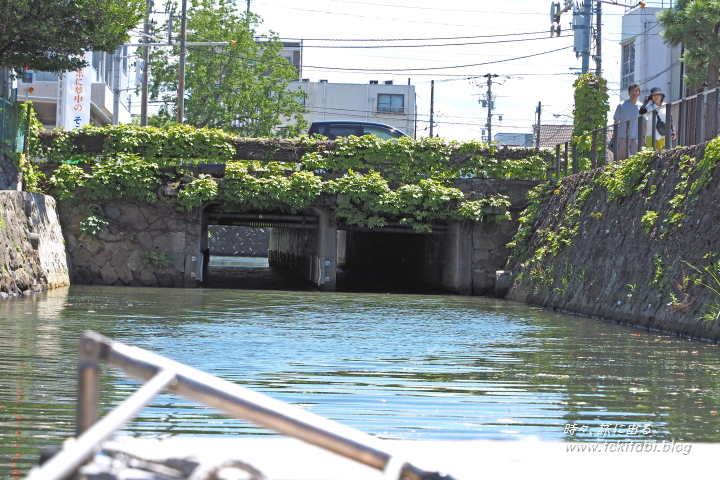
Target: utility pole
[181, 74]
[582, 30]
[598, 39]
[432, 104]
[145, 61]
[538, 111]
[183, 54]
[490, 105]
[117, 59]
[582, 27]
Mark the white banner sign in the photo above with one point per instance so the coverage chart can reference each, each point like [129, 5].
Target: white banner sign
[73, 105]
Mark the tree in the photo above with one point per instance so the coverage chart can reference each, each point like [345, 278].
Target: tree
[241, 88]
[49, 35]
[695, 25]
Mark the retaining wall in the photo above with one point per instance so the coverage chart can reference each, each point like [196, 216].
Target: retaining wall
[32, 257]
[130, 251]
[618, 269]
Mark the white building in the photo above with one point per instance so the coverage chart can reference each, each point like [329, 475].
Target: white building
[515, 139]
[43, 92]
[381, 102]
[646, 59]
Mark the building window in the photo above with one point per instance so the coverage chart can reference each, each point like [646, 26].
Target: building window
[628, 66]
[389, 103]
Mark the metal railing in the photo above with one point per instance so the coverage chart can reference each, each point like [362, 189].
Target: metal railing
[689, 121]
[162, 374]
[12, 126]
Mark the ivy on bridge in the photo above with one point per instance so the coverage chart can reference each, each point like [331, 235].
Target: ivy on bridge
[366, 181]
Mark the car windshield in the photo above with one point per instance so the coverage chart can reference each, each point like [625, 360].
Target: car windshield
[383, 133]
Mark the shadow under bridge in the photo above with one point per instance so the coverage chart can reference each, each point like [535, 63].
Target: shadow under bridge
[310, 251]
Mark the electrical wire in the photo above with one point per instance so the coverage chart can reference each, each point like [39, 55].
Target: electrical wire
[375, 18]
[382, 69]
[408, 39]
[431, 45]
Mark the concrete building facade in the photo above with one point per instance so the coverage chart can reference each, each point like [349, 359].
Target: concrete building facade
[646, 59]
[515, 139]
[376, 101]
[108, 70]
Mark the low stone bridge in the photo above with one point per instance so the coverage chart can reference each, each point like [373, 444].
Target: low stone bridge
[154, 244]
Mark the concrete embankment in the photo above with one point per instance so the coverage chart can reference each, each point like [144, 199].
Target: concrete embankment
[637, 243]
[32, 257]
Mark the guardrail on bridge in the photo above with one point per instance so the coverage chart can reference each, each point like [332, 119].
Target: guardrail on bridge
[693, 120]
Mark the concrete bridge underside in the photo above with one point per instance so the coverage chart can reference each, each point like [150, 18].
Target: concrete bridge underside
[313, 249]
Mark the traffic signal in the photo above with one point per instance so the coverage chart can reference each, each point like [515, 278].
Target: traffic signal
[27, 76]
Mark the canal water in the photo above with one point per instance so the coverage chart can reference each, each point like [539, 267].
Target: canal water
[392, 365]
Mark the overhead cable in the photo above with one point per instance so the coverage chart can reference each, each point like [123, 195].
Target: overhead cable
[384, 69]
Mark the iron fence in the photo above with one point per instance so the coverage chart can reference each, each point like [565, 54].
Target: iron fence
[13, 126]
[689, 121]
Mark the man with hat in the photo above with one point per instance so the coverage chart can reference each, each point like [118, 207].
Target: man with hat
[659, 129]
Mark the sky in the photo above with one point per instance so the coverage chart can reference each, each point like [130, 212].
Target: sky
[498, 34]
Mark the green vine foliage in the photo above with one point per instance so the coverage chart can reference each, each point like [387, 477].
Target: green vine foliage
[93, 223]
[407, 161]
[157, 259]
[175, 145]
[624, 177]
[590, 113]
[197, 192]
[127, 177]
[534, 246]
[366, 181]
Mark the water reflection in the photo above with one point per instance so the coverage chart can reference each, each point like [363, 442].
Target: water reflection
[396, 366]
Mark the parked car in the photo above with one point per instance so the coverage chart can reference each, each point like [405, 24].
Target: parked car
[344, 128]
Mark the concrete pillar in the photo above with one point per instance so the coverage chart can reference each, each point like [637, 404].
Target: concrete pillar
[457, 264]
[326, 253]
[195, 239]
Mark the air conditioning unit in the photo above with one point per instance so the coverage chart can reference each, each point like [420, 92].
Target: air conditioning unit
[374, 82]
[306, 80]
[323, 81]
[388, 82]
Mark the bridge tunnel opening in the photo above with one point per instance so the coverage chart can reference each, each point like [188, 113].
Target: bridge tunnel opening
[235, 251]
[306, 252]
[387, 260]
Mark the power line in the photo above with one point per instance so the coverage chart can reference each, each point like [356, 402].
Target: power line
[430, 45]
[407, 39]
[434, 8]
[379, 70]
[375, 18]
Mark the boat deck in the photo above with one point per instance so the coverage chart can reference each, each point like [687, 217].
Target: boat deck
[290, 459]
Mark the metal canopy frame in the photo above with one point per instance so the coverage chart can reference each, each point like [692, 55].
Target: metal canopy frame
[162, 374]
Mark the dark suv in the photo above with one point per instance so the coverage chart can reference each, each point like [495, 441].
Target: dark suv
[344, 128]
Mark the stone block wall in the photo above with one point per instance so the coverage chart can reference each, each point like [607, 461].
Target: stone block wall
[10, 177]
[621, 267]
[490, 252]
[126, 252]
[32, 250]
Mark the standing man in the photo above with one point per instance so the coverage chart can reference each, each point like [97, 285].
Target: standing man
[627, 141]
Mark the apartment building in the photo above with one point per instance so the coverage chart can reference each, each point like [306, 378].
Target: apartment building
[375, 101]
[646, 59]
[85, 97]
